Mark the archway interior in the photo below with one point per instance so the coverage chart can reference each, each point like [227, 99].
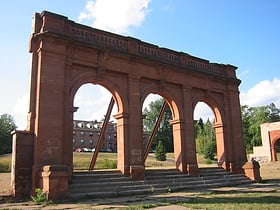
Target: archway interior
[277, 148]
[92, 101]
[205, 137]
[151, 111]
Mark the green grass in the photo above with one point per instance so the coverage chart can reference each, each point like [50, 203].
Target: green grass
[5, 163]
[235, 201]
[219, 201]
[105, 160]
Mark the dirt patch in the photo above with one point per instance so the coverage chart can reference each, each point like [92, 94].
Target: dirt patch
[5, 183]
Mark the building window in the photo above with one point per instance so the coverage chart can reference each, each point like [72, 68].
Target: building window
[82, 142]
[74, 133]
[91, 142]
[82, 133]
[90, 134]
[74, 141]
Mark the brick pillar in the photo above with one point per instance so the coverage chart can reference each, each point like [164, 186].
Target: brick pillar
[123, 156]
[22, 161]
[55, 181]
[235, 150]
[189, 152]
[135, 138]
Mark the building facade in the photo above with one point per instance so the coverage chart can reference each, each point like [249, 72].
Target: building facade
[86, 135]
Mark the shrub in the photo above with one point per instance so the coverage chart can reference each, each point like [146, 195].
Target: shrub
[160, 152]
[40, 196]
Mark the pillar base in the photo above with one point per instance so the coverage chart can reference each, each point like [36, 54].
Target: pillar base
[192, 169]
[137, 172]
[55, 181]
[252, 170]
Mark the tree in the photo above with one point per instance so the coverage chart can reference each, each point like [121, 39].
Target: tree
[160, 152]
[205, 139]
[252, 118]
[245, 114]
[164, 133]
[7, 125]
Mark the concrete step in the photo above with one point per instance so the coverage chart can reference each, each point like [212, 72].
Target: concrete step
[108, 183]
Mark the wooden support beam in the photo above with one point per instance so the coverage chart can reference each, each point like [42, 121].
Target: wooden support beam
[151, 140]
[102, 135]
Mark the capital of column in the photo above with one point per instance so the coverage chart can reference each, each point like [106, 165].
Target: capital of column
[176, 121]
[120, 115]
[218, 125]
[73, 108]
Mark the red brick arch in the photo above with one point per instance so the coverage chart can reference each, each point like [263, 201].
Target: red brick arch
[274, 139]
[66, 55]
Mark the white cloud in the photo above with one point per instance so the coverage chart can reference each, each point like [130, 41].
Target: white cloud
[93, 102]
[114, 16]
[21, 111]
[263, 93]
[203, 111]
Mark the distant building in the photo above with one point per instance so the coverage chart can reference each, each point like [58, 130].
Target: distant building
[270, 133]
[86, 134]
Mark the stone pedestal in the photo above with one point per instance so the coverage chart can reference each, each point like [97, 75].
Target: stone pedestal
[22, 161]
[137, 172]
[252, 170]
[55, 181]
[192, 169]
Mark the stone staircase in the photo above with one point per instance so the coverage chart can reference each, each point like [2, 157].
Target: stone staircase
[110, 183]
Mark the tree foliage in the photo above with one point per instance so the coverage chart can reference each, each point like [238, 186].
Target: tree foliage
[205, 139]
[7, 125]
[252, 118]
[164, 133]
[160, 152]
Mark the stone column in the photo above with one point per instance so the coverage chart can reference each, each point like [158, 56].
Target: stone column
[179, 146]
[123, 149]
[235, 147]
[189, 152]
[221, 156]
[135, 140]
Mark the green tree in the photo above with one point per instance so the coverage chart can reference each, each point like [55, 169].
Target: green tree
[205, 139]
[252, 118]
[246, 113]
[7, 125]
[274, 113]
[160, 152]
[164, 133]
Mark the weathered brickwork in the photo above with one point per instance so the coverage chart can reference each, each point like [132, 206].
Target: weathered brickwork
[67, 55]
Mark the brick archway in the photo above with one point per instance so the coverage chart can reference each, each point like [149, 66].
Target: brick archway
[274, 148]
[270, 133]
[66, 55]
[275, 139]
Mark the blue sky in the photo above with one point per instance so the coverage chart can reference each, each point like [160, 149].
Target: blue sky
[244, 33]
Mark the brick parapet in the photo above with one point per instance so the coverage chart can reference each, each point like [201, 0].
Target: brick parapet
[60, 26]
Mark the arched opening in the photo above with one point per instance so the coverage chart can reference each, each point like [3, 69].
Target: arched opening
[205, 138]
[92, 102]
[157, 132]
[215, 136]
[277, 150]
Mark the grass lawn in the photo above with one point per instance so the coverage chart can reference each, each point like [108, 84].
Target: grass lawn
[5, 163]
[107, 160]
